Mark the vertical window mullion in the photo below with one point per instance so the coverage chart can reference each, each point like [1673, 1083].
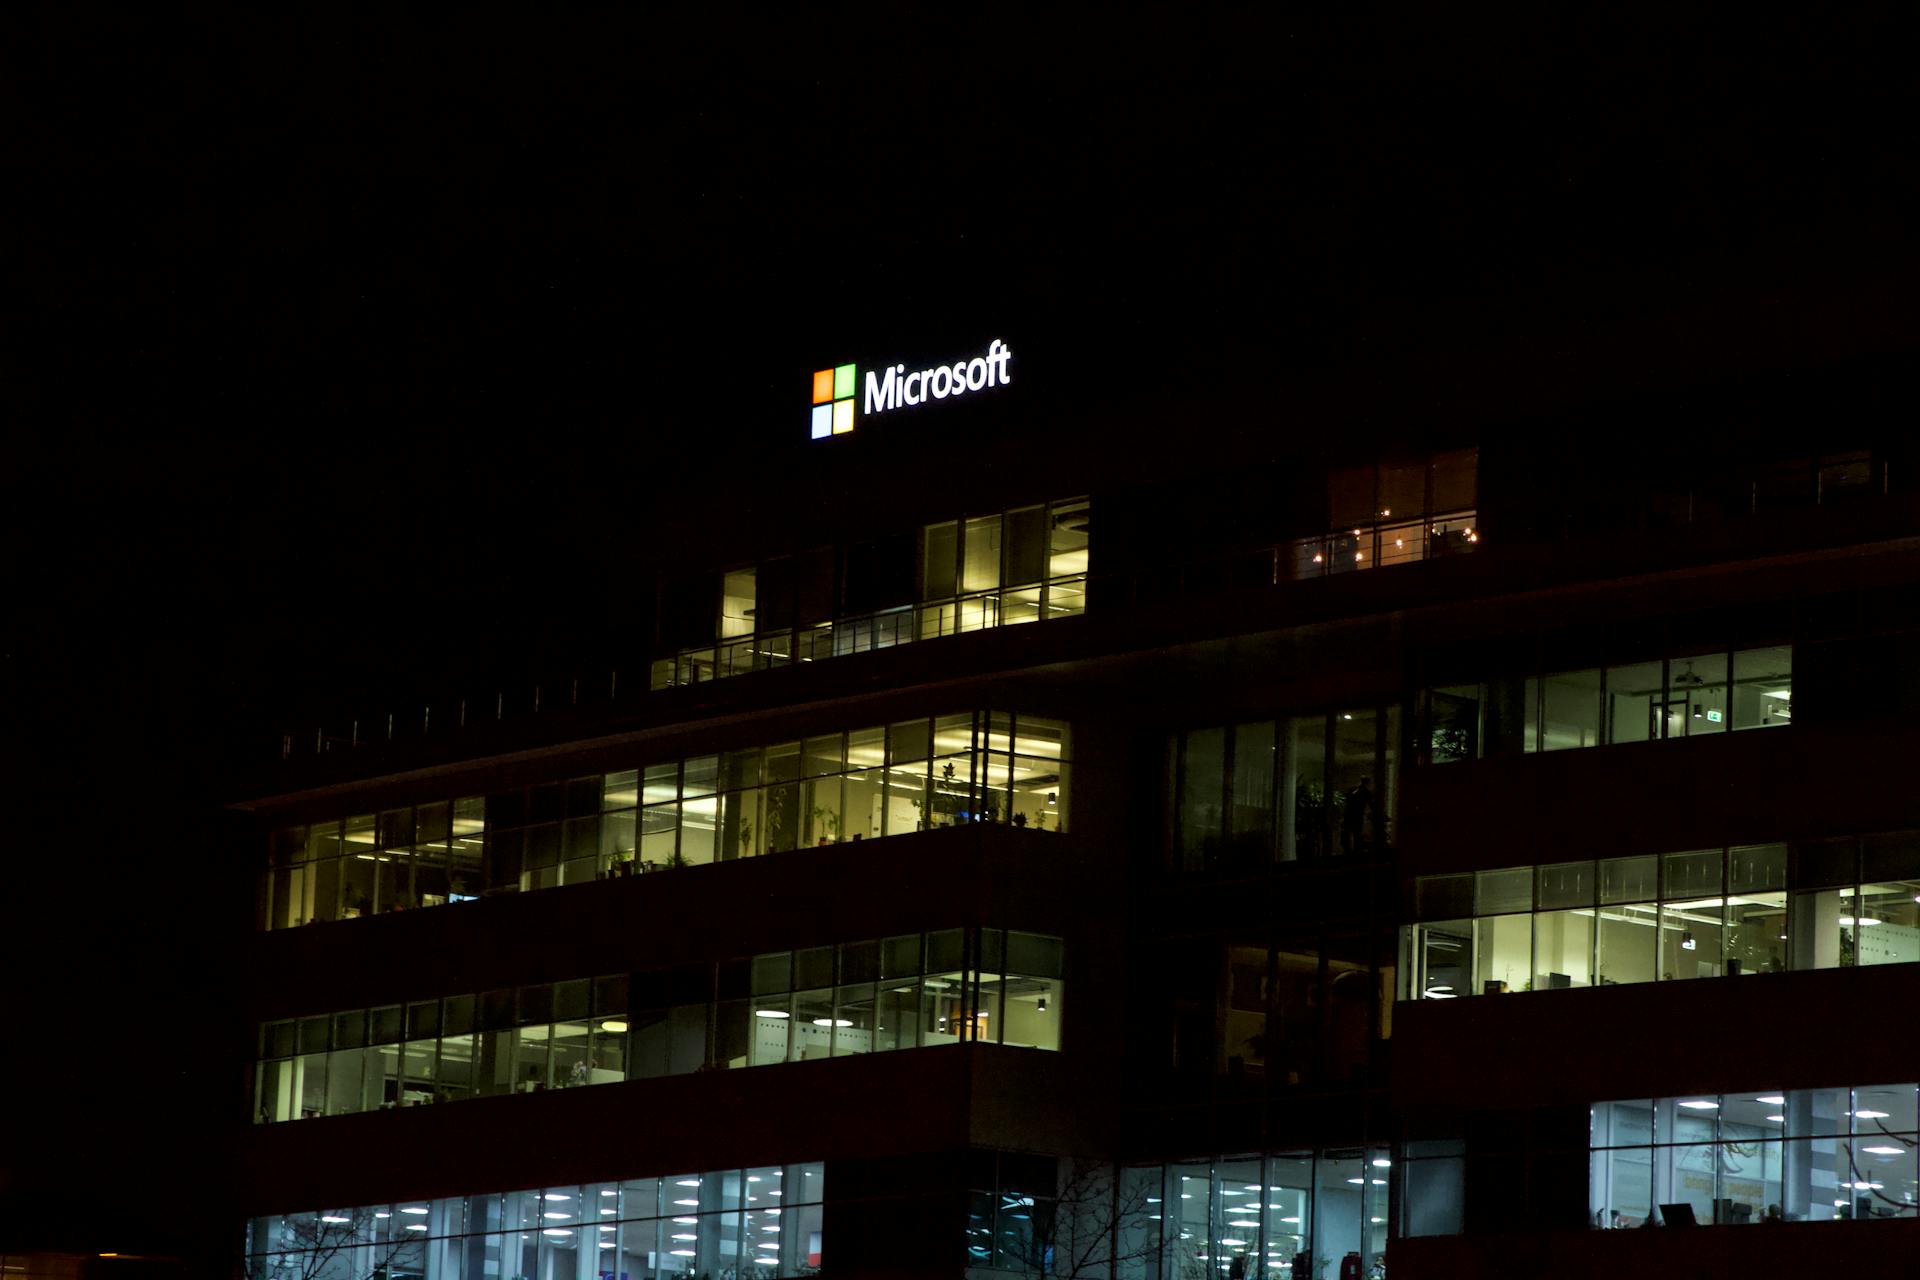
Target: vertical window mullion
[1229, 745]
[679, 802]
[1176, 858]
[1274, 800]
[1329, 734]
[980, 793]
[970, 982]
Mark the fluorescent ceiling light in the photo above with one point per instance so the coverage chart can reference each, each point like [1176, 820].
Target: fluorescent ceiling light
[1382, 1163]
[1773, 1100]
[616, 1026]
[1778, 1119]
[1700, 1104]
[555, 1195]
[771, 1013]
[687, 1182]
[1869, 1115]
[562, 1216]
[556, 1231]
[416, 1226]
[329, 1217]
[412, 1209]
[1884, 1151]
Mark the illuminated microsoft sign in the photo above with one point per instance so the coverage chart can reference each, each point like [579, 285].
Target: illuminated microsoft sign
[835, 390]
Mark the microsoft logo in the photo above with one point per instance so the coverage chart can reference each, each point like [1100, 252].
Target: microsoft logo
[896, 388]
[833, 391]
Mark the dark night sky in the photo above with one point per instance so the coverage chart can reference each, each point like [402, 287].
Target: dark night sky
[343, 321]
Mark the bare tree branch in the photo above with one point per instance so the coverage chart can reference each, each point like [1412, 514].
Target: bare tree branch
[321, 1247]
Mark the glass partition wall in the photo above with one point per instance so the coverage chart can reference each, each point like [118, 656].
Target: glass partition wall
[1704, 913]
[843, 786]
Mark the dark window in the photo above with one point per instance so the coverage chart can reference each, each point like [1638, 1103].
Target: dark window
[880, 574]
[1026, 547]
[689, 611]
[773, 610]
[813, 588]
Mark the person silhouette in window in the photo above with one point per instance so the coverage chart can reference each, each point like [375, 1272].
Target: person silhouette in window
[1355, 816]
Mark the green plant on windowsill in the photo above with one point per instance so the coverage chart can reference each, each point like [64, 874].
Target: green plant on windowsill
[949, 797]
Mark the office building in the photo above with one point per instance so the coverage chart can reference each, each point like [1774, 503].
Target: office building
[1424, 836]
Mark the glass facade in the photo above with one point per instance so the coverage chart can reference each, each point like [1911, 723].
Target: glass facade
[1312, 1011]
[864, 783]
[1732, 912]
[1302, 787]
[1305, 1212]
[1028, 564]
[1795, 1155]
[909, 991]
[1690, 696]
[753, 1224]
[1396, 513]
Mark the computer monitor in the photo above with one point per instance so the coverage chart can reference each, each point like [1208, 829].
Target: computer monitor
[1678, 1215]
